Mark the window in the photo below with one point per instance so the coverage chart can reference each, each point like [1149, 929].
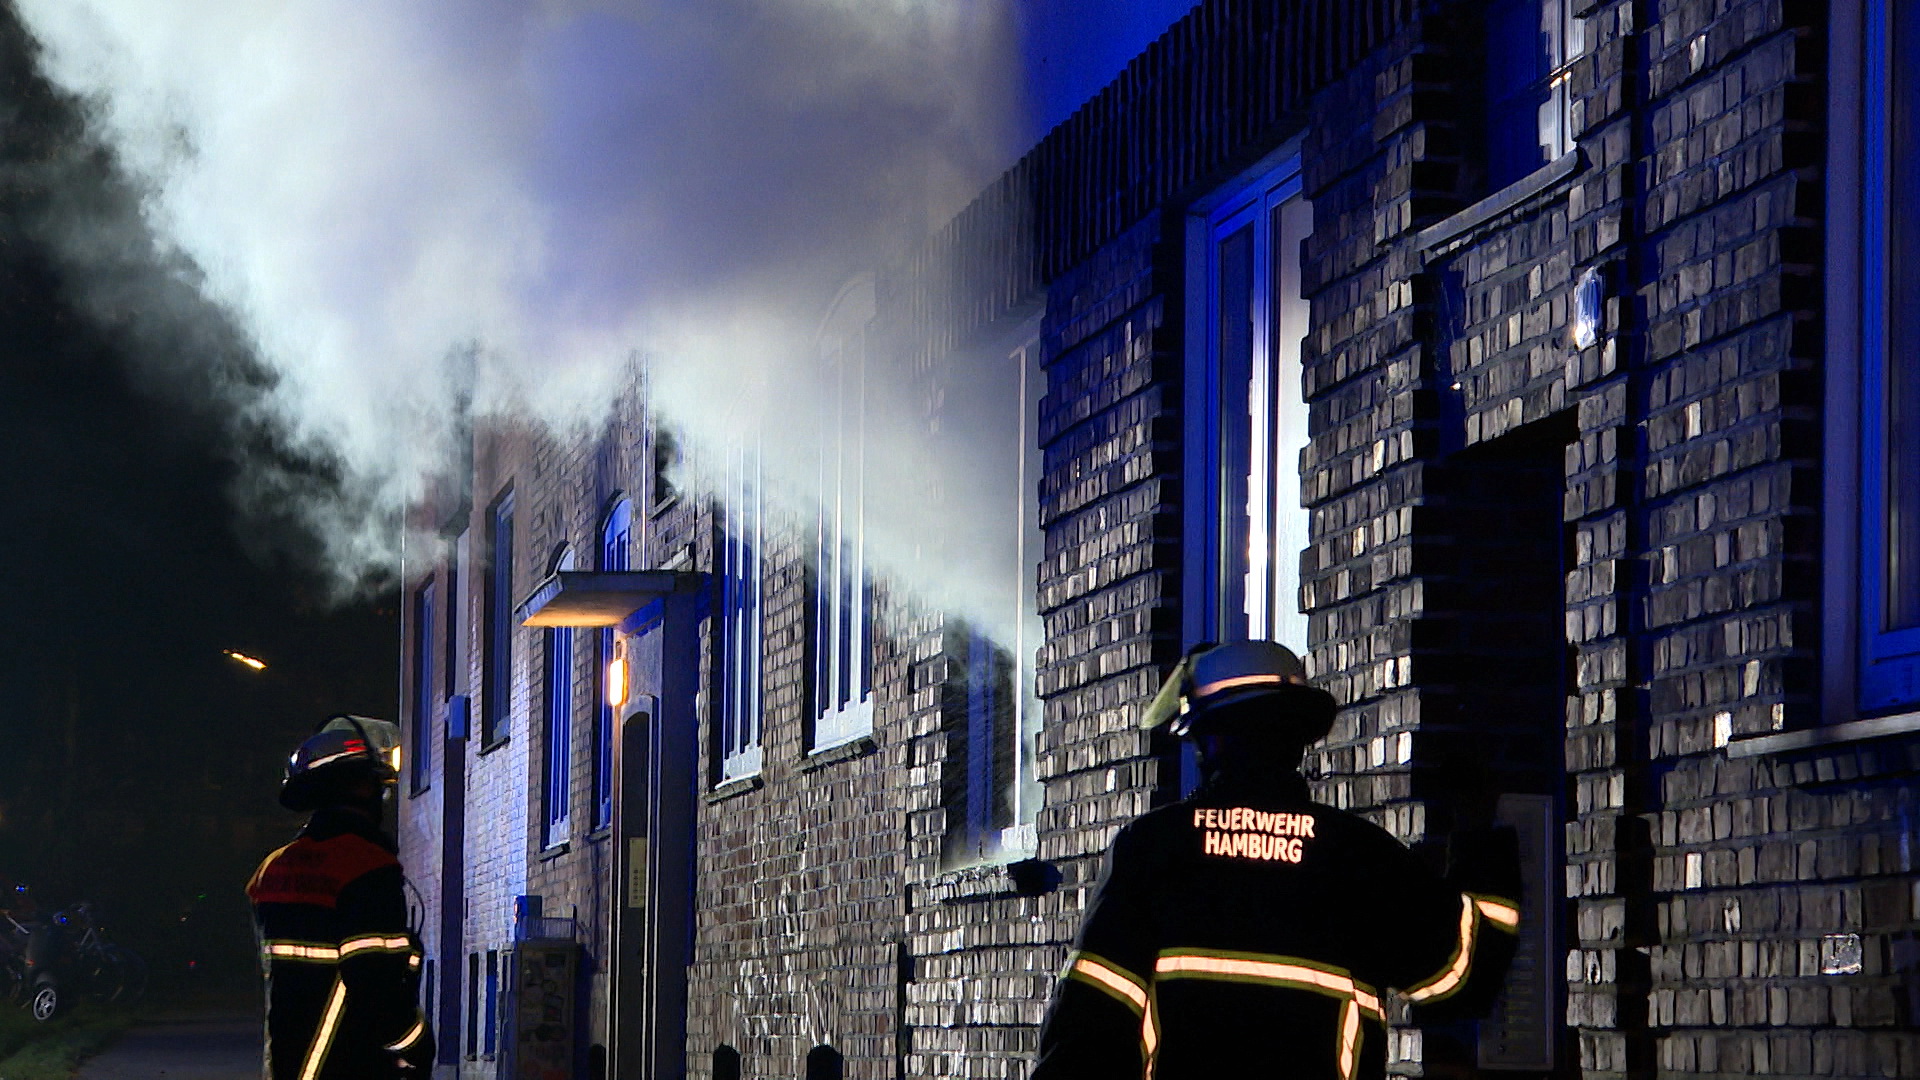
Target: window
[738, 713]
[991, 792]
[473, 1005]
[1531, 44]
[497, 673]
[666, 458]
[419, 753]
[557, 731]
[843, 586]
[452, 651]
[1244, 520]
[1888, 615]
[616, 553]
[490, 1039]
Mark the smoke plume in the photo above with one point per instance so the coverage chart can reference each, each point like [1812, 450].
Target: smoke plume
[383, 195]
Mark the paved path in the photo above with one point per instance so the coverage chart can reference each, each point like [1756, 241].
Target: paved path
[184, 1048]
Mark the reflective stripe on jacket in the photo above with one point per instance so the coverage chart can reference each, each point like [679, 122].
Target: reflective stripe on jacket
[342, 967]
[1253, 932]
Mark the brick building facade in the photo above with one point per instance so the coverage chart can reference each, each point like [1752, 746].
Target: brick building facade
[1565, 425]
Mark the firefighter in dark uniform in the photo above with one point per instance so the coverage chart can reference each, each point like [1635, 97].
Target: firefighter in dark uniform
[1251, 931]
[342, 964]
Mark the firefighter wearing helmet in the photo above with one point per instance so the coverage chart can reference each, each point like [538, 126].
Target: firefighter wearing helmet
[1248, 929]
[342, 964]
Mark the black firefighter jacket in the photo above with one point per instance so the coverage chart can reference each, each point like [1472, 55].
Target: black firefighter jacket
[1250, 931]
[342, 965]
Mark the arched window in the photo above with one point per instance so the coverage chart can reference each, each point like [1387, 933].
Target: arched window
[616, 553]
[557, 731]
[726, 1063]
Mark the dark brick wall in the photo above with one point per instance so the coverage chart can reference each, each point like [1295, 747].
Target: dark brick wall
[1575, 572]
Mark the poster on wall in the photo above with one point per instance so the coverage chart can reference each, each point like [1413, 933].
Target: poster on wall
[543, 1010]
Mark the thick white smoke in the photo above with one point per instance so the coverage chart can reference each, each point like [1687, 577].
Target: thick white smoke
[376, 190]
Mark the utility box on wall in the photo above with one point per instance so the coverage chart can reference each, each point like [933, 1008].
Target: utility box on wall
[543, 1029]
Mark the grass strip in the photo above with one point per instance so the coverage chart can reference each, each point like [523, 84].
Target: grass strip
[50, 1051]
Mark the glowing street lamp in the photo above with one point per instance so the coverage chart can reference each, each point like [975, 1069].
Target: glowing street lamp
[617, 676]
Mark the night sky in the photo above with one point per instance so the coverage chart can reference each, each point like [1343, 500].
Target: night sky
[138, 764]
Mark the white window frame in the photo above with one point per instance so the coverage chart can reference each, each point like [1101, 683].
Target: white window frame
[1007, 716]
[737, 714]
[1255, 594]
[843, 614]
[558, 706]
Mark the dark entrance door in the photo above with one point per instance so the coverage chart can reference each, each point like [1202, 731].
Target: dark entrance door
[658, 779]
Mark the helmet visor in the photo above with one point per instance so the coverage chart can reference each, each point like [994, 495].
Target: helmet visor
[344, 737]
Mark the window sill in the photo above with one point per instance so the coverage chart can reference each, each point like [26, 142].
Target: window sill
[663, 505]
[995, 881]
[415, 793]
[496, 744]
[857, 747]
[733, 788]
[1506, 200]
[552, 852]
[1832, 735]
[599, 834]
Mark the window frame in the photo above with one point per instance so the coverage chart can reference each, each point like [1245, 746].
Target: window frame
[843, 630]
[1552, 82]
[994, 818]
[1209, 571]
[736, 713]
[1862, 664]
[616, 554]
[496, 716]
[556, 735]
[425, 695]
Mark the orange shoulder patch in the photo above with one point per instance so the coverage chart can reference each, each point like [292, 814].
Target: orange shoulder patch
[314, 871]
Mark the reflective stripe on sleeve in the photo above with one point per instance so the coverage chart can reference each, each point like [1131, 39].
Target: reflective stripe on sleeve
[323, 1035]
[414, 1034]
[311, 951]
[1150, 1032]
[375, 943]
[1454, 974]
[1117, 982]
[1498, 911]
[1349, 1038]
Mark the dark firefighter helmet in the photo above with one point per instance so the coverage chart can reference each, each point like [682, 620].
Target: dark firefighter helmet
[344, 751]
[1257, 682]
